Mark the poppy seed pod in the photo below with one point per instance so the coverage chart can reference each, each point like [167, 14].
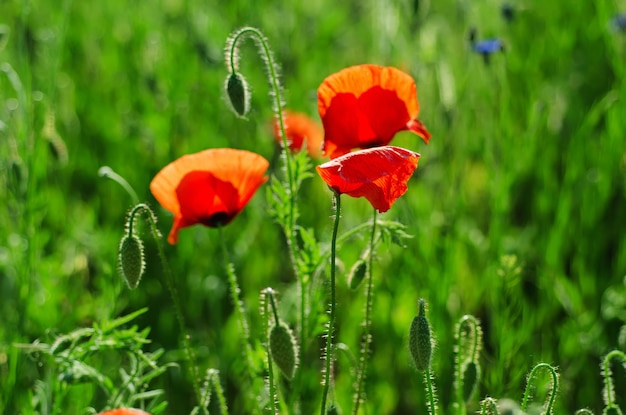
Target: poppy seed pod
[131, 262]
[238, 94]
[419, 339]
[283, 349]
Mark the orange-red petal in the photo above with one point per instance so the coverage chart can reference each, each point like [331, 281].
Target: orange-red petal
[210, 187]
[300, 128]
[124, 411]
[379, 174]
[365, 106]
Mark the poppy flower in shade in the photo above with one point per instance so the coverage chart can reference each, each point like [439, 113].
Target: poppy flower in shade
[379, 174]
[300, 128]
[365, 106]
[124, 411]
[210, 187]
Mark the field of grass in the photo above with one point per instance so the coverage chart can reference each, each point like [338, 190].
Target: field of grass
[517, 209]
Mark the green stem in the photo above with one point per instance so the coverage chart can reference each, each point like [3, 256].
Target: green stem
[289, 229]
[277, 95]
[609, 388]
[530, 385]
[430, 391]
[270, 369]
[475, 336]
[106, 171]
[331, 321]
[171, 287]
[235, 292]
[215, 381]
[358, 397]
[274, 310]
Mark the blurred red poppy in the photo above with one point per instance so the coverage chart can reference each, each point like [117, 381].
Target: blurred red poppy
[365, 106]
[379, 174]
[299, 127]
[124, 411]
[210, 187]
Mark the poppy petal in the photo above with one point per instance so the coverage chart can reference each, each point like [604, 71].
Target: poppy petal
[418, 128]
[124, 411]
[210, 187]
[365, 106]
[379, 174]
[300, 128]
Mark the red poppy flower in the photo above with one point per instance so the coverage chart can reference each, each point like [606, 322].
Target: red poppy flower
[210, 187]
[365, 106]
[379, 174]
[299, 128]
[124, 411]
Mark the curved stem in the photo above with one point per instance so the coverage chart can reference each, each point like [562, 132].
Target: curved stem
[273, 75]
[171, 287]
[289, 229]
[358, 397]
[106, 171]
[609, 389]
[331, 321]
[530, 386]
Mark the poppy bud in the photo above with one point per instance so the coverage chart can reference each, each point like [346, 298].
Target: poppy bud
[238, 94]
[283, 349]
[357, 273]
[332, 410]
[419, 339]
[131, 263]
[471, 374]
[4, 35]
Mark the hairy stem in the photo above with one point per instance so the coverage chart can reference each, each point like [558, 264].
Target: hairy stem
[358, 397]
[331, 321]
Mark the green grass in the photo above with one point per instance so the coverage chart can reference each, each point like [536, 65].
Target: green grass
[518, 207]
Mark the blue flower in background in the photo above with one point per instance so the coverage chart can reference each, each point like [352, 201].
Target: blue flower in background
[485, 47]
[619, 22]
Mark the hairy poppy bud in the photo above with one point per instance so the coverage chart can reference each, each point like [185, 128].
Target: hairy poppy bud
[4, 35]
[332, 410]
[357, 273]
[131, 263]
[238, 94]
[419, 339]
[283, 349]
[471, 374]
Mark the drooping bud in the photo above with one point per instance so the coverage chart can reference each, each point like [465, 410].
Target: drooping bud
[238, 94]
[420, 343]
[131, 261]
[283, 349]
[4, 35]
[471, 375]
[332, 410]
[357, 273]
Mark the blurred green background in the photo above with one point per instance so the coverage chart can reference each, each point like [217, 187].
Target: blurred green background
[518, 207]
